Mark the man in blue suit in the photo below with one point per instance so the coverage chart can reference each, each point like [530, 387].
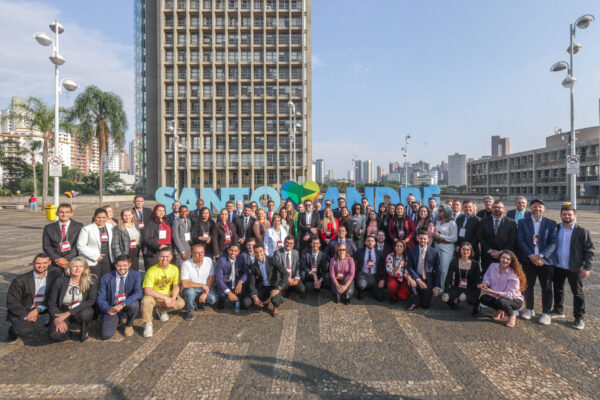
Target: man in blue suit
[423, 264]
[231, 276]
[119, 293]
[536, 243]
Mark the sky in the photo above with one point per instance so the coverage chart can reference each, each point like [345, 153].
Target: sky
[450, 74]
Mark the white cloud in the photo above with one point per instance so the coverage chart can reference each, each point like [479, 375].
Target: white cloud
[91, 57]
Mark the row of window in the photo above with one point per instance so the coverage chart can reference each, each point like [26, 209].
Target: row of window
[235, 4]
[245, 90]
[232, 21]
[234, 38]
[206, 142]
[235, 56]
[259, 178]
[234, 126]
[220, 160]
[233, 72]
[219, 107]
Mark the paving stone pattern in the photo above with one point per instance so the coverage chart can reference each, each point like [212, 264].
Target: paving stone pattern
[314, 350]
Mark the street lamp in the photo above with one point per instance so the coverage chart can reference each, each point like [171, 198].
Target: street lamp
[405, 155]
[569, 82]
[173, 129]
[69, 84]
[295, 125]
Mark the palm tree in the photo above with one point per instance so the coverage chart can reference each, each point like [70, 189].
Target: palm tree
[34, 147]
[99, 115]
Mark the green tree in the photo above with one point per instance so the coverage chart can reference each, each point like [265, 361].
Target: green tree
[12, 159]
[99, 115]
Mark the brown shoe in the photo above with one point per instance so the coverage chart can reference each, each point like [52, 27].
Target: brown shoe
[129, 331]
[275, 311]
[412, 307]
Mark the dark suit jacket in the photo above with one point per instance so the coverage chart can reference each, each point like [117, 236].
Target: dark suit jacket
[278, 259]
[504, 239]
[21, 293]
[107, 290]
[304, 229]
[149, 236]
[387, 248]
[146, 214]
[223, 272]
[546, 241]
[471, 235]
[239, 227]
[57, 294]
[276, 275]
[484, 214]
[359, 261]
[581, 251]
[432, 265]
[512, 213]
[218, 238]
[52, 237]
[322, 263]
[170, 218]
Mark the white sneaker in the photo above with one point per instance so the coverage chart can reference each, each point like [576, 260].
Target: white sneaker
[545, 319]
[516, 313]
[164, 316]
[527, 314]
[148, 330]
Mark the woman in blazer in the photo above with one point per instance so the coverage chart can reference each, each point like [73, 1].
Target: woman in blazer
[71, 301]
[156, 235]
[126, 238]
[275, 236]
[402, 227]
[94, 243]
[328, 227]
[464, 274]
[202, 230]
[342, 271]
[359, 226]
[223, 234]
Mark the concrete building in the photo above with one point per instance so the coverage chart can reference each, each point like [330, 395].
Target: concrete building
[457, 169]
[541, 172]
[394, 167]
[224, 71]
[320, 170]
[425, 177]
[500, 146]
[330, 177]
[380, 174]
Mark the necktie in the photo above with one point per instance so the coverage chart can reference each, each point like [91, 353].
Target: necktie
[496, 224]
[245, 224]
[232, 272]
[64, 232]
[369, 258]
[423, 253]
[229, 217]
[121, 285]
[140, 216]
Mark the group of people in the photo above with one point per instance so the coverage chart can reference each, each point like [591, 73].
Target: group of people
[252, 257]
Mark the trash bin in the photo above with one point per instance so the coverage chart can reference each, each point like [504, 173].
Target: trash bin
[51, 212]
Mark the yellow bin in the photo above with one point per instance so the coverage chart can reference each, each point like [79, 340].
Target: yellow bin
[51, 212]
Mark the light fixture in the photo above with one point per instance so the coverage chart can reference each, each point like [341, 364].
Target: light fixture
[584, 21]
[55, 25]
[57, 59]
[569, 81]
[69, 84]
[42, 39]
[576, 48]
[559, 66]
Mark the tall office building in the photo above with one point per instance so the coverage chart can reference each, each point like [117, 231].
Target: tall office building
[367, 173]
[320, 170]
[457, 169]
[224, 72]
[500, 146]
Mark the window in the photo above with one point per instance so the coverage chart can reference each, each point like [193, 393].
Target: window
[233, 90]
[297, 22]
[181, 107]
[271, 73]
[259, 125]
[246, 142]
[233, 107]
[169, 108]
[220, 107]
[220, 142]
[296, 56]
[271, 56]
[169, 90]
[220, 56]
[168, 38]
[271, 142]
[169, 159]
[246, 107]
[194, 90]
[233, 175]
[207, 107]
[233, 125]
[233, 56]
[284, 159]
[221, 90]
[259, 142]
[181, 56]
[207, 73]
[207, 145]
[219, 127]
[284, 91]
[233, 159]
[246, 56]
[258, 4]
[259, 73]
[194, 21]
[233, 22]
[284, 108]
[271, 90]
[220, 22]
[246, 90]
[284, 4]
[258, 21]
[271, 22]
[194, 73]
[246, 72]
[181, 38]
[195, 56]
[207, 125]
[284, 38]
[195, 125]
[284, 22]
[297, 90]
[233, 142]
[258, 38]
[207, 21]
[271, 38]
[220, 73]
[220, 160]
[246, 160]
[296, 38]
[284, 143]
[207, 91]
[259, 108]
[259, 90]
[196, 142]
[207, 56]
[169, 21]
[284, 56]
[271, 125]
[246, 125]
[296, 73]
[207, 38]
[259, 178]
[233, 72]
[271, 159]
[195, 160]
[271, 107]
[208, 176]
[169, 56]
[246, 23]
[194, 38]
[284, 73]
[258, 56]
[169, 73]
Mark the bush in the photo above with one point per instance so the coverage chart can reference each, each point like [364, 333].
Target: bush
[5, 192]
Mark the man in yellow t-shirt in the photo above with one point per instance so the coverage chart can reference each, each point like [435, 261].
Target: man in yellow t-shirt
[161, 288]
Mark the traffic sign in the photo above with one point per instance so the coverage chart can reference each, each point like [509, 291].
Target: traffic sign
[573, 164]
[55, 166]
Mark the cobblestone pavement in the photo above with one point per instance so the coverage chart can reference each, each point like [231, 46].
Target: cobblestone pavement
[315, 350]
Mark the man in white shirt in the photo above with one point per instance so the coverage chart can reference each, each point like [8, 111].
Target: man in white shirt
[197, 277]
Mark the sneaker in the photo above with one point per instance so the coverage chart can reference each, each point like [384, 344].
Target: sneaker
[527, 314]
[148, 330]
[128, 331]
[556, 314]
[164, 316]
[545, 319]
[189, 315]
[579, 323]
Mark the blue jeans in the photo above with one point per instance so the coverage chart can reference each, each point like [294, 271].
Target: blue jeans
[190, 295]
[33, 206]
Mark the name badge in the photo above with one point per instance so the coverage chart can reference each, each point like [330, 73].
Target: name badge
[162, 234]
[328, 233]
[104, 237]
[462, 283]
[141, 225]
[187, 236]
[73, 305]
[288, 269]
[132, 244]
[401, 233]
[65, 246]
[313, 269]
[227, 238]
[462, 232]
[120, 298]
[279, 244]
[205, 234]
[535, 240]
[370, 264]
[340, 275]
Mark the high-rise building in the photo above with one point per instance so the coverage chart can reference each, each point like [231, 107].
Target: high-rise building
[380, 173]
[224, 72]
[367, 174]
[457, 169]
[500, 146]
[320, 170]
[394, 167]
[131, 166]
[330, 175]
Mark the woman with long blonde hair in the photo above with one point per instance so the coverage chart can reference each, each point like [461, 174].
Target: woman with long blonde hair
[261, 225]
[328, 227]
[126, 237]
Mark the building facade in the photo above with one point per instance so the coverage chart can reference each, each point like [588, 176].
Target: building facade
[319, 170]
[457, 169]
[541, 172]
[500, 146]
[224, 72]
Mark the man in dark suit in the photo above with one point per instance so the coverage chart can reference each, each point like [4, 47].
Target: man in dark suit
[423, 263]
[467, 225]
[382, 244]
[536, 244]
[170, 218]
[195, 215]
[27, 297]
[143, 214]
[573, 261]
[266, 281]
[487, 207]
[119, 294]
[370, 270]
[243, 225]
[59, 239]
[239, 209]
[308, 223]
[314, 265]
[231, 277]
[496, 233]
[341, 203]
[270, 211]
[520, 211]
[289, 258]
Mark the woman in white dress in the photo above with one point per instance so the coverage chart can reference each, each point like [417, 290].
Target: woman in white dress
[275, 236]
[445, 236]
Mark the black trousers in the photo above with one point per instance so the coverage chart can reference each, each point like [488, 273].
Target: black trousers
[134, 255]
[110, 323]
[19, 327]
[299, 288]
[506, 305]
[369, 282]
[544, 274]
[309, 282]
[265, 291]
[421, 297]
[102, 268]
[472, 295]
[82, 318]
[576, 285]
[347, 294]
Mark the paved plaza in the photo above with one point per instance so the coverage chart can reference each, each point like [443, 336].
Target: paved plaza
[314, 350]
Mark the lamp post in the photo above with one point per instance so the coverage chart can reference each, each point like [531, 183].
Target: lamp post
[405, 155]
[69, 84]
[173, 129]
[569, 82]
[295, 125]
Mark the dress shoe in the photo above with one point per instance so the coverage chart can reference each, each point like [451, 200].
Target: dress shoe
[411, 307]
[275, 311]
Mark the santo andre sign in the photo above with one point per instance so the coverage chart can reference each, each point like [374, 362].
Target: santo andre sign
[293, 191]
